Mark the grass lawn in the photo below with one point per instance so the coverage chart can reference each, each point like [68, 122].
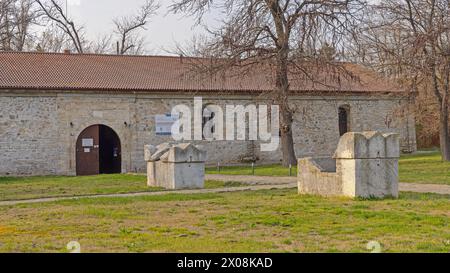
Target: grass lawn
[424, 168]
[263, 221]
[12, 188]
[421, 168]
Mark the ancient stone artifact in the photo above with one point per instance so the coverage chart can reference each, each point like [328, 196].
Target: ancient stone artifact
[364, 165]
[175, 166]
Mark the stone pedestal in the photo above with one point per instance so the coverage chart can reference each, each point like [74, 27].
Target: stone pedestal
[365, 165]
[175, 166]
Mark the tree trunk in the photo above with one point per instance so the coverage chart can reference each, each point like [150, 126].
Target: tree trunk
[286, 119]
[444, 133]
[287, 140]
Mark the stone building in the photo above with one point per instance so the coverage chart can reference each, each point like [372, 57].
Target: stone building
[69, 114]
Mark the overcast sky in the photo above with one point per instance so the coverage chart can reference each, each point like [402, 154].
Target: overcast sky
[164, 30]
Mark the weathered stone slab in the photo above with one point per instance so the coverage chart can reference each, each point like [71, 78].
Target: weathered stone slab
[366, 165]
[318, 176]
[175, 166]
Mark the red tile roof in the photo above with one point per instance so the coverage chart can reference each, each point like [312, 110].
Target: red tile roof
[51, 71]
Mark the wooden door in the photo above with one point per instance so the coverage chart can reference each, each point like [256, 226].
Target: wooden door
[87, 151]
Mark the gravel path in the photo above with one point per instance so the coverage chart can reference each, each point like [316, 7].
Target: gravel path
[425, 188]
[265, 180]
[255, 183]
[253, 180]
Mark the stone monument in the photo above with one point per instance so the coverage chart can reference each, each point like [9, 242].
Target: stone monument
[175, 166]
[365, 165]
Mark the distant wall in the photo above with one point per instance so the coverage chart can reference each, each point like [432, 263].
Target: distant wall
[38, 131]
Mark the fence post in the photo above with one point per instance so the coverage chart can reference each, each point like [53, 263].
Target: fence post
[253, 168]
[218, 167]
[290, 169]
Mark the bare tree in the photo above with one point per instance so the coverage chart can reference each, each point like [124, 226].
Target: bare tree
[102, 45]
[279, 34]
[25, 17]
[43, 25]
[5, 24]
[51, 39]
[54, 12]
[127, 28]
[410, 40]
[16, 19]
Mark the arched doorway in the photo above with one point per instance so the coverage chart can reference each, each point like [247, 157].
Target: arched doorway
[98, 151]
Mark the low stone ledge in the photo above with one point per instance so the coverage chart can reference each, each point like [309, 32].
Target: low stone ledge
[318, 176]
[364, 165]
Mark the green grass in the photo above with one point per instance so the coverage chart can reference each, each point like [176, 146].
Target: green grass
[262, 221]
[19, 188]
[260, 170]
[424, 168]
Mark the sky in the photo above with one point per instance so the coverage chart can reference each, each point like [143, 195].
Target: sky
[164, 30]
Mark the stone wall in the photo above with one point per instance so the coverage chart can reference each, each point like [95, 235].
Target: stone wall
[29, 137]
[316, 129]
[38, 132]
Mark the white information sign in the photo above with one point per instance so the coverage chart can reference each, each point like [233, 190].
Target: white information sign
[164, 124]
[88, 142]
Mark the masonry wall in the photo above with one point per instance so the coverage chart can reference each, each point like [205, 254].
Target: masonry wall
[38, 132]
[316, 129]
[29, 140]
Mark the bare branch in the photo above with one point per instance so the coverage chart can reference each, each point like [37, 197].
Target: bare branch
[16, 19]
[410, 40]
[55, 13]
[126, 28]
[287, 39]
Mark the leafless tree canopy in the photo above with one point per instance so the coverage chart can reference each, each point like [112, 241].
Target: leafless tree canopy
[44, 25]
[127, 28]
[54, 12]
[260, 30]
[409, 40]
[51, 39]
[290, 36]
[16, 19]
